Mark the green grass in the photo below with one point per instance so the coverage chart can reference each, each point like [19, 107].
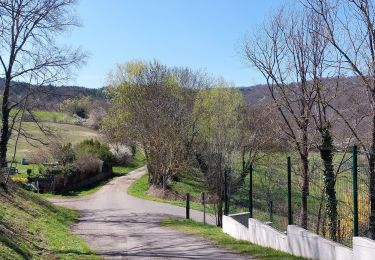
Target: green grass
[33, 228]
[48, 116]
[140, 187]
[61, 132]
[138, 161]
[189, 182]
[217, 236]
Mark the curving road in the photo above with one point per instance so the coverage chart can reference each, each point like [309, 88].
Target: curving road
[119, 226]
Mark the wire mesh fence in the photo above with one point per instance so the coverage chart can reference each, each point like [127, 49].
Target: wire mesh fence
[263, 190]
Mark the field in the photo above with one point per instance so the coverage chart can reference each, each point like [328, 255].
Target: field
[61, 132]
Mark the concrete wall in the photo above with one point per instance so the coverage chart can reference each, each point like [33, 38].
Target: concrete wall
[235, 228]
[363, 248]
[265, 235]
[302, 242]
[243, 218]
[297, 241]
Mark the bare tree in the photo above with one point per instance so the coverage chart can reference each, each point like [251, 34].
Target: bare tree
[282, 52]
[257, 135]
[28, 50]
[350, 28]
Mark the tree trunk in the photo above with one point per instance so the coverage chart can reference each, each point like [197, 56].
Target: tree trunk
[5, 123]
[305, 190]
[372, 178]
[220, 213]
[326, 153]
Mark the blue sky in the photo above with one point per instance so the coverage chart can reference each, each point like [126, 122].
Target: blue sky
[201, 34]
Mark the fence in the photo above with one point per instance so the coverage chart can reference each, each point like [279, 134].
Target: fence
[271, 191]
[200, 208]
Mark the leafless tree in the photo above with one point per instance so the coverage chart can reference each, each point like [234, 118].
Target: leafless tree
[28, 50]
[349, 26]
[282, 52]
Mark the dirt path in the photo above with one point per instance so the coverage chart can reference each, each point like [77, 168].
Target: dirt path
[119, 226]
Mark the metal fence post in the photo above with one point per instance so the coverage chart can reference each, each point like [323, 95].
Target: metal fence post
[290, 213]
[226, 205]
[355, 191]
[251, 192]
[204, 207]
[187, 206]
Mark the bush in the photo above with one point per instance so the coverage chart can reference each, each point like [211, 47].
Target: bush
[96, 149]
[69, 169]
[63, 153]
[39, 157]
[29, 187]
[88, 165]
[79, 106]
[121, 153]
[19, 179]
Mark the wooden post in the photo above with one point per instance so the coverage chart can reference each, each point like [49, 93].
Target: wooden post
[187, 206]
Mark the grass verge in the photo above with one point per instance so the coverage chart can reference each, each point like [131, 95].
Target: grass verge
[221, 239]
[33, 228]
[139, 189]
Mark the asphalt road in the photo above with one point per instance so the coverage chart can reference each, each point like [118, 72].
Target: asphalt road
[119, 226]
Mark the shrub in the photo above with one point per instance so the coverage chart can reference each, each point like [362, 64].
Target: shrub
[96, 149]
[19, 179]
[121, 153]
[79, 106]
[29, 187]
[88, 165]
[68, 169]
[39, 157]
[63, 153]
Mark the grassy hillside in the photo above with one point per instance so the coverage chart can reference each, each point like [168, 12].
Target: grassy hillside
[61, 132]
[32, 228]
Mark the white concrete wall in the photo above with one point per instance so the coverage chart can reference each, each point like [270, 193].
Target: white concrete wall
[304, 243]
[264, 235]
[235, 229]
[363, 248]
[298, 241]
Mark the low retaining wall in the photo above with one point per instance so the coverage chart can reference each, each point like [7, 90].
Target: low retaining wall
[61, 183]
[235, 229]
[267, 236]
[363, 248]
[302, 242]
[296, 241]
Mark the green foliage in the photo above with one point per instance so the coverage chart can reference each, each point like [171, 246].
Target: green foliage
[95, 148]
[217, 112]
[68, 169]
[217, 236]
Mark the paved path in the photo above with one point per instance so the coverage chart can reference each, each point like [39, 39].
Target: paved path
[119, 226]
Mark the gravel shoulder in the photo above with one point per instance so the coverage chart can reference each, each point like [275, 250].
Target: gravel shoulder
[119, 226]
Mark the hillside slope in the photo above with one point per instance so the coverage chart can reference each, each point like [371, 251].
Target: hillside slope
[61, 132]
[32, 228]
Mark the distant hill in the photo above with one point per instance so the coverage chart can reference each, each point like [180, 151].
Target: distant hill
[50, 97]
